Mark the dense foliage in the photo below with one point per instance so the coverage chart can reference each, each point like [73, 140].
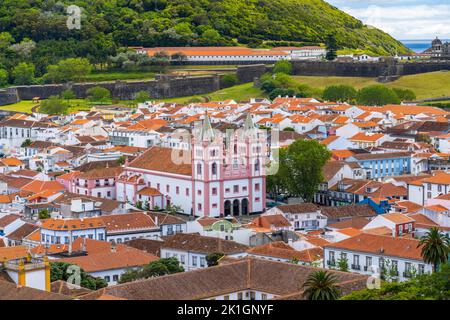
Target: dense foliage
[35, 31]
[300, 169]
[65, 271]
[156, 268]
[424, 287]
[340, 93]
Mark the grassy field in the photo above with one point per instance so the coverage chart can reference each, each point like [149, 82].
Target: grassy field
[22, 106]
[425, 85]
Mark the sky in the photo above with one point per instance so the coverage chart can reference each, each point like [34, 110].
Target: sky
[402, 19]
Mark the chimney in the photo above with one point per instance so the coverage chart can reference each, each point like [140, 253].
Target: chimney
[113, 247]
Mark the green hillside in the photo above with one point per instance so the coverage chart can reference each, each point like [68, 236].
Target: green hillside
[107, 25]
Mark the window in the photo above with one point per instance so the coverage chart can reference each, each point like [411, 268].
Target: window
[356, 260]
[214, 168]
[240, 296]
[194, 261]
[263, 296]
[157, 186]
[167, 255]
[257, 187]
[177, 190]
[107, 278]
[368, 261]
[227, 297]
[202, 262]
[214, 191]
[199, 206]
[187, 192]
[421, 268]
[108, 193]
[116, 277]
[199, 168]
[167, 188]
[182, 258]
[257, 199]
[214, 205]
[257, 165]
[429, 195]
[235, 188]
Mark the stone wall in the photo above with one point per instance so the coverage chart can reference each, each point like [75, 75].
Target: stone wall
[164, 86]
[250, 72]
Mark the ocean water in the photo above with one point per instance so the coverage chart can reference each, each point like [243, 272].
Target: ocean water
[419, 46]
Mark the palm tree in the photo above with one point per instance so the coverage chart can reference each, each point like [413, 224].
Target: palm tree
[435, 247]
[321, 285]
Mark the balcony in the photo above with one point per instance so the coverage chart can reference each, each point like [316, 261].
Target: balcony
[356, 267]
[366, 268]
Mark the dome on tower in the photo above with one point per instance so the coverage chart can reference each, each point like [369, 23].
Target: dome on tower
[436, 42]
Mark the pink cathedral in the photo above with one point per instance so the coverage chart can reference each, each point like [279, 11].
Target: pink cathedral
[221, 174]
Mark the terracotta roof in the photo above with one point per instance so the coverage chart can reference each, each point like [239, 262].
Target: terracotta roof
[38, 186]
[164, 218]
[147, 245]
[377, 244]
[270, 221]
[361, 136]
[73, 224]
[160, 159]
[128, 221]
[8, 219]
[11, 253]
[148, 191]
[22, 232]
[410, 206]
[284, 251]
[356, 210]
[122, 257]
[10, 291]
[216, 51]
[66, 289]
[437, 208]
[201, 244]
[278, 278]
[355, 222]
[100, 173]
[298, 208]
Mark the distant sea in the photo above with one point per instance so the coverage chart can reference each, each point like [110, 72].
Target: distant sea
[419, 46]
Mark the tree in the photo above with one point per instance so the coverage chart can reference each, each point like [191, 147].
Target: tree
[23, 73]
[44, 214]
[68, 94]
[321, 285]
[24, 49]
[178, 58]
[280, 92]
[228, 80]
[282, 66]
[342, 264]
[290, 129]
[435, 247]
[26, 143]
[155, 268]
[433, 286]
[142, 96]
[340, 93]
[212, 259]
[4, 78]
[377, 95]
[72, 69]
[301, 166]
[332, 47]
[54, 106]
[405, 94]
[98, 94]
[61, 271]
[121, 160]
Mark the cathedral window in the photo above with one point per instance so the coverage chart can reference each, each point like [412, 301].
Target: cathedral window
[214, 168]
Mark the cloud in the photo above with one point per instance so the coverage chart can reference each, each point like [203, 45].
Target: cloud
[405, 19]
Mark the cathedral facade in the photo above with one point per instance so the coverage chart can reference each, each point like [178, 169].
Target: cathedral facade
[440, 50]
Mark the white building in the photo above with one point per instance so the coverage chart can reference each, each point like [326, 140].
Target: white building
[367, 253]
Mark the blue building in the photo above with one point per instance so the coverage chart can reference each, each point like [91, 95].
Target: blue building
[379, 165]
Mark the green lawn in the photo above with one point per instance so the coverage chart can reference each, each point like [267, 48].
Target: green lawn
[425, 85]
[22, 106]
